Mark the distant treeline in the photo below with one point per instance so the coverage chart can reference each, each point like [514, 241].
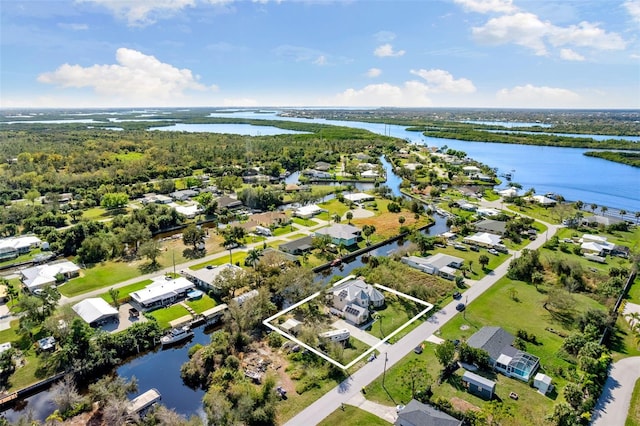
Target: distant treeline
[629, 158]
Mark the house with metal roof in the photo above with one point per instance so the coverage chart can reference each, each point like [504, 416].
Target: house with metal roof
[162, 292]
[297, 247]
[491, 226]
[206, 277]
[354, 297]
[95, 311]
[418, 414]
[478, 385]
[308, 211]
[440, 264]
[14, 246]
[341, 233]
[483, 239]
[39, 276]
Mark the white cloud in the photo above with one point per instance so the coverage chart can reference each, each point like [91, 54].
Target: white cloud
[530, 96]
[487, 6]
[74, 26]
[135, 77]
[373, 72]
[320, 60]
[439, 81]
[386, 50]
[570, 55]
[526, 29]
[410, 94]
[141, 13]
[384, 36]
[633, 8]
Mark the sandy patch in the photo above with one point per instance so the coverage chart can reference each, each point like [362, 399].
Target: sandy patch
[360, 213]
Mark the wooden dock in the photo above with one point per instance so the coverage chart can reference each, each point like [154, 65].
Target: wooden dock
[142, 402]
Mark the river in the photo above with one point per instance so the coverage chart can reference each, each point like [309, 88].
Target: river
[564, 171]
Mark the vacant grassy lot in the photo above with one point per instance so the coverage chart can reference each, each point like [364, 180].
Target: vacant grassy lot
[100, 276]
[352, 416]
[397, 311]
[124, 292]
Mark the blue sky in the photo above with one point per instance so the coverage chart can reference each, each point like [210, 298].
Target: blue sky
[418, 53]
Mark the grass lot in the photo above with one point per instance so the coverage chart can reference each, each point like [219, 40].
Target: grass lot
[549, 214]
[238, 257]
[333, 207]
[623, 342]
[202, 304]
[634, 292]
[124, 292]
[490, 195]
[352, 416]
[633, 418]
[305, 222]
[26, 374]
[531, 407]
[283, 230]
[528, 304]
[397, 311]
[296, 236]
[166, 315]
[97, 213]
[99, 276]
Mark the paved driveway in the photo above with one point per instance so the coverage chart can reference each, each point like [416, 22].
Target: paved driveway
[615, 400]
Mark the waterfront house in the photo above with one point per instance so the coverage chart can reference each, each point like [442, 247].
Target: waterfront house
[478, 385]
[297, 247]
[503, 357]
[509, 192]
[205, 278]
[341, 234]
[544, 201]
[163, 291]
[36, 277]
[95, 311]
[353, 298]
[418, 414]
[370, 174]
[12, 247]
[440, 264]
[359, 197]
[229, 203]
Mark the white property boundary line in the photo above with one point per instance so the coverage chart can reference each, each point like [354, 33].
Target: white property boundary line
[267, 323]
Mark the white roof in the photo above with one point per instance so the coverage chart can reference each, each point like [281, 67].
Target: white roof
[509, 192]
[161, 288]
[484, 238]
[488, 212]
[541, 199]
[18, 242]
[309, 209]
[441, 260]
[246, 296]
[471, 169]
[370, 173]
[339, 231]
[594, 238]
[504, 359]
[591, 246]
[358, 196]
[188, 210]
[39, 276]
[94, 309]
[447, 270]
[290, 324]
[5, 347]
[209, 275]
[543, 378]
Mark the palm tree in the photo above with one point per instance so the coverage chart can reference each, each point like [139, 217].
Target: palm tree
[349, 216]
[253, 256]
[337, 218]
[604, 209]
[594, 206]
[579, 205]
[623, 213]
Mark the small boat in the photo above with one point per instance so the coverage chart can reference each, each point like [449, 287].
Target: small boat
[176, 335]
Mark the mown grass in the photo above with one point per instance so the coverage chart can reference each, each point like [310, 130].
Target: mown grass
[165, 315]
[202, 304]
[396, 312]
[99, 276]
[633, 417]
[353, 416]
[124, 292]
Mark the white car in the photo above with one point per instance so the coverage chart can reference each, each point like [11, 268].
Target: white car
[399, 408]
[493, 251]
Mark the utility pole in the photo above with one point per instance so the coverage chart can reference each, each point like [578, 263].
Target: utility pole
[384, 372]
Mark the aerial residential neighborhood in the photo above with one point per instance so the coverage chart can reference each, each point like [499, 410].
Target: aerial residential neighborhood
[362, 213]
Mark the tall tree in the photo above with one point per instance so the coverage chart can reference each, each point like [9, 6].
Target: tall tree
[151, 249]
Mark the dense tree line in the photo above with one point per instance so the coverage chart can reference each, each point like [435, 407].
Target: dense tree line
[629, 158]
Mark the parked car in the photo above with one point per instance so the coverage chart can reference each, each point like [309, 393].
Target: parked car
[418, 349]
[493, 251]
[474, 248]
[460, 307]
[461, 247]
[457, 295]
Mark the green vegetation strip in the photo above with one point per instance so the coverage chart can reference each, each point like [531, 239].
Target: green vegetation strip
[629, 158]
[353, 416]
[633, 418]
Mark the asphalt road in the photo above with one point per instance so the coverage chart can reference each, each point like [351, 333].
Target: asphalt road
[350, 387]
[615, 399]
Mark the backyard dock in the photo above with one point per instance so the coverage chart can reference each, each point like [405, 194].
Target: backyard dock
[141, 402]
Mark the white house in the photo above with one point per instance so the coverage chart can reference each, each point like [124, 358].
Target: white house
[370, 174]
[39, 276]
[353, 297]
[206, 277]
[509, 192]
[483, 239]
[14, 246]
[305, 212]
[359, 197]
[95, 311]
[439, 264]
[163, 291]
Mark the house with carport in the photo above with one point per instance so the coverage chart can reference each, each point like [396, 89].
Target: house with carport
[37, 277]
[440, 264]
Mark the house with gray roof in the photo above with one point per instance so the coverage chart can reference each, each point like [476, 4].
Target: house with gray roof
[297, 247]
[354, 297]
[418, 414]
[504, 358]
[491, 226]
[439, 264]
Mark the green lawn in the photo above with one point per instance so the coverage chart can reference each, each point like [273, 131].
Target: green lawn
[633, 418]
[305, 222]
[124, 292]
[549, 215]
[397, 312]
[238, 257]
[99, 276]
[333, 207]
[634, 292]
[624, 343]
[22, 258]
[166, 315]
[497, 307]
[202, 304]
[489, 195]
[283, 230]
[352, 416]
[474, 256]
[296, 236]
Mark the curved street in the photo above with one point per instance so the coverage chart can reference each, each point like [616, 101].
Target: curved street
[614, 402]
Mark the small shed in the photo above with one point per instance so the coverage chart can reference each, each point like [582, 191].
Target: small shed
[291, 325]
[478, 385]
[542, 382]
